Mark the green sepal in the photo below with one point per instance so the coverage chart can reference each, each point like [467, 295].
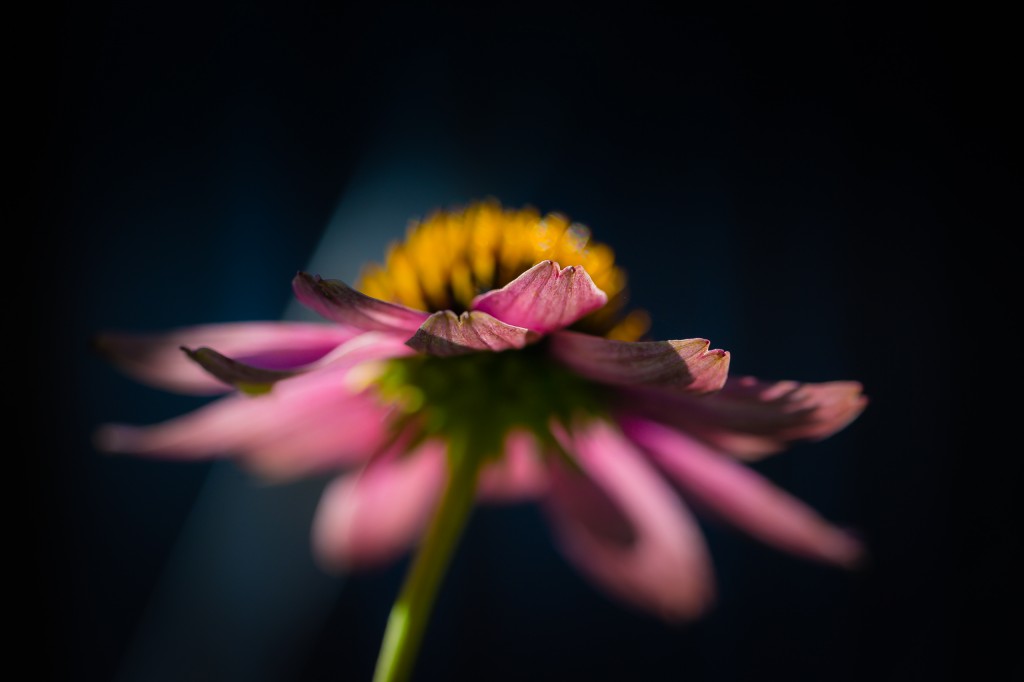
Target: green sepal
[482, 397]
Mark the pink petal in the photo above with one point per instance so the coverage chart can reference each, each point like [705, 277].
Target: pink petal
[686, 365]
[543, 298]
[238, 423]
[446, 334]
[157, 360]
[367, 346]
[338, 302]
[743, 497]
[750, 418]
[625, 528]
[288, 430]
[331, 434]
[518, 475]
[373, 516]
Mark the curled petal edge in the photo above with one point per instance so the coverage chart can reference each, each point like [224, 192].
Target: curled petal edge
[687, 365]
[544, 298]
[446, 334]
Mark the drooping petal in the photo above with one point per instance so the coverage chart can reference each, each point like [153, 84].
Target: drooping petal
[749, 418]
[373, 516]
[518, 475]
[623, 526]
[236, 423]
[256, 381]
[366, 347]
[686, 365]
[157, 360]
[286, 431]
[330, 434]
[338, 302]
[742, 497]
[446, 334]
[544, 298]
[246, 378]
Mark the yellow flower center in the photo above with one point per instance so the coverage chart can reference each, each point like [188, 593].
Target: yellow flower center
[452, 256]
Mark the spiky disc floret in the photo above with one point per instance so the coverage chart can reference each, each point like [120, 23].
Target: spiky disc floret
[453, 256]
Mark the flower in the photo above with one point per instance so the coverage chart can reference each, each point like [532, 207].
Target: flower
[473, 365]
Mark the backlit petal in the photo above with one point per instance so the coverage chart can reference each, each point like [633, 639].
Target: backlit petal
[749, 418]
[543, 298]
[518, 475]
[686, 365]
[157, 360]
[237, 423]
[338, 302]
[742, 497]
[625, 528]
[373, 516]
[284, 432]
[328, 435]
[445, 334]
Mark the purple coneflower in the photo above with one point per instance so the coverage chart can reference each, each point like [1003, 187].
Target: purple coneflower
[492, 357]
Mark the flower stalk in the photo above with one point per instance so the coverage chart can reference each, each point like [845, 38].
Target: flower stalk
[409, 616]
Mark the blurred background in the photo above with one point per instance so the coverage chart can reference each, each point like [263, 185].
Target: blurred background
[802, 186]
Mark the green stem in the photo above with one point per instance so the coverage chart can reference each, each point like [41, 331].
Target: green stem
[411, 611]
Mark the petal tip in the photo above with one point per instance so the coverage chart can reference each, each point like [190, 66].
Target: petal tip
[99, 343]
[113, 439]
[696, 606]
[330, 530]
[544, 298]
[849, 551]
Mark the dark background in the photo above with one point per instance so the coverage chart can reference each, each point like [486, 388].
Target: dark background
[810, 188]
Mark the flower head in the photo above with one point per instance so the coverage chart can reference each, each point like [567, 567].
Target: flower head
[498, 343]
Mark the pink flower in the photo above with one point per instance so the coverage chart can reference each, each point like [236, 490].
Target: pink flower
[614, 438]
[538, 388]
